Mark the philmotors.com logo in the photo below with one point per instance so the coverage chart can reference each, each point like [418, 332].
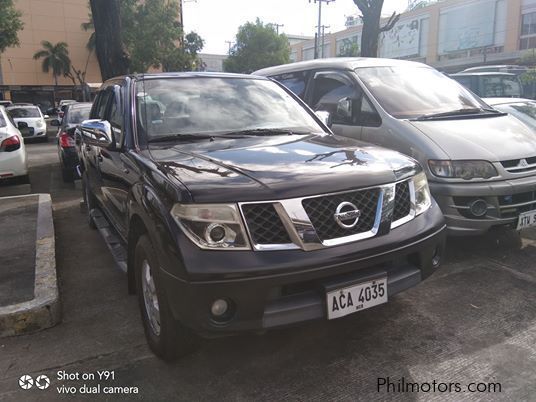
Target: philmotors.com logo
[27, 382]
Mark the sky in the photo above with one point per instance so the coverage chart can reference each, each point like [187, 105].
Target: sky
[217, 21]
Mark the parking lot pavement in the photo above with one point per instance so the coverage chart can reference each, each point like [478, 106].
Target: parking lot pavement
[472, 322]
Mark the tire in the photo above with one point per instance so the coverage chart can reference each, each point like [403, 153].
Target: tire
[167, 338]
[90, 201]
[67, 175]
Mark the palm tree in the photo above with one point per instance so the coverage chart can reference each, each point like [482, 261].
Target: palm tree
[55, 58]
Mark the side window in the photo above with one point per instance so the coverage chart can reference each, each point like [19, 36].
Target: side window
[116, 120]
[368, 115]
[337, 97]
[293, 81]
[98, 110]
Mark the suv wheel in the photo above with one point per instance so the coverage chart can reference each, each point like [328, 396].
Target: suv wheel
[166, 337]
[89, 199]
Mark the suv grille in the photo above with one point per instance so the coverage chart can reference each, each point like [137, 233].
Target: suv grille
[402, 201]
[264, 224]
[321, 210]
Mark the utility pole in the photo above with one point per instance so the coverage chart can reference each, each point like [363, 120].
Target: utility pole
[230, 43]
[277, 26]
[323, 37]
[319, 26]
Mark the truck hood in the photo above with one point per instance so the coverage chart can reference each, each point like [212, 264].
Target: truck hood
[268, 168]
[493, 138]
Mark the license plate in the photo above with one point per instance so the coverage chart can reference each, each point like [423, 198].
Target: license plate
[356, 298]
[526, 220]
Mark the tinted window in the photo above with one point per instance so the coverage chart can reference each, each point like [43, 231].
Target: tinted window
[21, 112]
[217, 105]
[77, 115]
[327, 94]
[407, 92]
[294, 81]
[116, 120]
[99, 107]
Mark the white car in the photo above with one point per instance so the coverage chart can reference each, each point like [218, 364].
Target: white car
[13, 158]
[32, 117]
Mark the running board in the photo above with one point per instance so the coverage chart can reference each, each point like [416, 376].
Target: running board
[112, 240]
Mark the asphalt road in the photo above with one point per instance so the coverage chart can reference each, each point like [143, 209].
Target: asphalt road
[472, 322]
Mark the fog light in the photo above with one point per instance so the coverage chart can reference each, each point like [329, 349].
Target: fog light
[215, 233]
[219, 308]
[436, 258]
[478, 208]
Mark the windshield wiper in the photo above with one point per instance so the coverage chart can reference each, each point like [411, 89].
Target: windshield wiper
[189, 137]
[457, 112]
[270, 131]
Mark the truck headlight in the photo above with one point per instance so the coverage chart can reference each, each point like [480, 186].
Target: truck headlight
[423, 199]
[463, 169]
[212, 226]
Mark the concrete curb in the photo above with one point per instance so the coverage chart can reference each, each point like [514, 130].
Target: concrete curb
[44, 310]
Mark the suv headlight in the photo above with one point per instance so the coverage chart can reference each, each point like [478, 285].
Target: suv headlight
[423, 199]
[463, 169]
[212, 226]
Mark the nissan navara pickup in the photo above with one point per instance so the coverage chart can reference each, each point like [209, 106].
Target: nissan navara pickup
[232, 207]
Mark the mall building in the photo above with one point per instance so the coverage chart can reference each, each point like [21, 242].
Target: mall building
[21, 77]
[450, 35]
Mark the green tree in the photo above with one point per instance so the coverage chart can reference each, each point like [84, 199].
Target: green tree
[257, 46]
[371, 11]
[55, 59]
[10, 25]
[349, 48]
[185, 57]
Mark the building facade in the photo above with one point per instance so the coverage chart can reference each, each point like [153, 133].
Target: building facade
[450, 35]
[21, 77]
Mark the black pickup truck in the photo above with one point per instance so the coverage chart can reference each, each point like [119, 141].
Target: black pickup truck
[232, 207]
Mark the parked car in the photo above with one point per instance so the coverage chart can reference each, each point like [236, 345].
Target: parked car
[490, 84]
[528, 86]
[523, 109]
[239, 210]
[5, 103]
[29, 120]
[75, 114]
[469, 151]
[13, 159]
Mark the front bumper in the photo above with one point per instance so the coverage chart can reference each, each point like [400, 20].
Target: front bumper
[278, 288]
[505, 200]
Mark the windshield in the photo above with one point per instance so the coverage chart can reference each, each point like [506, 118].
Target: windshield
[524, 111]
[409, 92]
[21, 112]
[195, 106]
[78, 115]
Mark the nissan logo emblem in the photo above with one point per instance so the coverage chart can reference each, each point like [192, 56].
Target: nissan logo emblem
[347, 215]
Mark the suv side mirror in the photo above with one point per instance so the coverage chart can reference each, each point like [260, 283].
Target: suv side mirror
[325, 117]
[97, 132]
[344, 109]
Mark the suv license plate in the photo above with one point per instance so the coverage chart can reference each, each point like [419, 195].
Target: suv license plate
[356, 298]
[526, 220]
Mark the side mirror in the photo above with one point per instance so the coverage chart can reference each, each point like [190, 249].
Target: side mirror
[46, 116]
[97, 133]
[21, 125]
[55, 122]
[325, 117]
[344, 109]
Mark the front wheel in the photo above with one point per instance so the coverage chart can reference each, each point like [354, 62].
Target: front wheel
[167, 338]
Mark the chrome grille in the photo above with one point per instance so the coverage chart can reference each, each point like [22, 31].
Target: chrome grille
[321, 210]
[520, 165]
[402, 201]
[264, 224]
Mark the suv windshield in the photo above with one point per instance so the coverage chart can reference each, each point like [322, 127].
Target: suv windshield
[21, 112]
[410, 92]
[196, 106]
[78, 115]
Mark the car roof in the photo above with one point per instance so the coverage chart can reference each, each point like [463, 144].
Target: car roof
[79, 105]
[507, 66]
[345, 63]
[484, 73]
[189, 74]
[21, 106]
[504, 101]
